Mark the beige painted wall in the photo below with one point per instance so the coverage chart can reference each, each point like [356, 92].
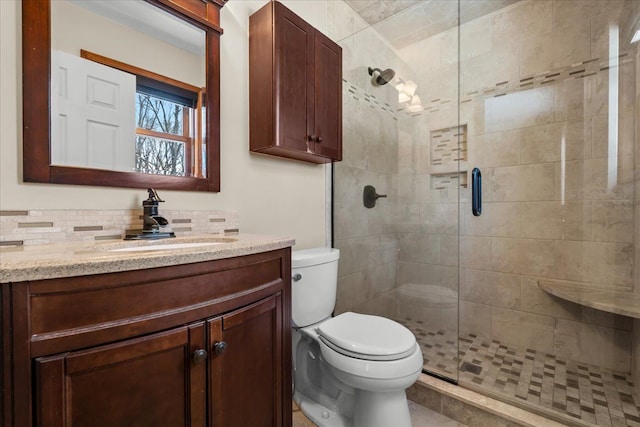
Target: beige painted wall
[271, 195]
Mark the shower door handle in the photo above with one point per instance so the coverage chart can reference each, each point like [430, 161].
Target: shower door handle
[476, 192]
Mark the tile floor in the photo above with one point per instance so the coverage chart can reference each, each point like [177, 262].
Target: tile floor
[420, 417]
[584, 392]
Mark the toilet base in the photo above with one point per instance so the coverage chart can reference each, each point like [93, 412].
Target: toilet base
[320, 415]
[371, 410]
[381, 409]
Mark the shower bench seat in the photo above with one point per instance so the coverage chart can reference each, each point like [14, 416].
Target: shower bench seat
[626, 303]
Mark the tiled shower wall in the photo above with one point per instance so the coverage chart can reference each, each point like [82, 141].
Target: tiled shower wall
[534, 96]
[368, 248]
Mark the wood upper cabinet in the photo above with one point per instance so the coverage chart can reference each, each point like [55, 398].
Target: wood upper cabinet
[203, 344]
[295, 87]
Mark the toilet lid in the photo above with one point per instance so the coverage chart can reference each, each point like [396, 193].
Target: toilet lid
[367, 337]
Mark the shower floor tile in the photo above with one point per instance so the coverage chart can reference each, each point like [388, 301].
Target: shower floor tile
[585, 392]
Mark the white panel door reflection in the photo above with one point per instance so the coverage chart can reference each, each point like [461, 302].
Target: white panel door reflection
[92, 123]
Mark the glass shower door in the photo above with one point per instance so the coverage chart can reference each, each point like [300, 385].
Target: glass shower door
[548, 95]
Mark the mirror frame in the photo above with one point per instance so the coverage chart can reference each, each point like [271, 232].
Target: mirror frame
[36, 90]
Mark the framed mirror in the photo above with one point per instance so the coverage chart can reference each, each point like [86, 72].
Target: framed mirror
[140, 111]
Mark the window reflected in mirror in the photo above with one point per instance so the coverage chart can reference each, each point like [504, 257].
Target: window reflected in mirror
[133, 101]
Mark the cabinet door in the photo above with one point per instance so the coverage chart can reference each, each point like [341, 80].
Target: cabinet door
[148, 382]
[294, 84]
[246, 376]
[328, 98]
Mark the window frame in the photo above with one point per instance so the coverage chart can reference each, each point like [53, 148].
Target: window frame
[163, 84]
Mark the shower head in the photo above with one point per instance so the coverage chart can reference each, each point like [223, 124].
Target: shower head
[383, 77]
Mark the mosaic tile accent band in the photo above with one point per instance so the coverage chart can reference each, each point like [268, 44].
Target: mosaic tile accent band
[581, 70]
[37, 227]
[586, 393]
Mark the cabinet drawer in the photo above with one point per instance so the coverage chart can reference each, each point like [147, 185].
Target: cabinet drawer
[67, 314]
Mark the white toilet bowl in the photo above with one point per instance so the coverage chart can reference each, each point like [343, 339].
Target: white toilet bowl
[352, 369]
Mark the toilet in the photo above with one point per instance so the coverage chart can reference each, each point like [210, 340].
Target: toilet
[351, 369]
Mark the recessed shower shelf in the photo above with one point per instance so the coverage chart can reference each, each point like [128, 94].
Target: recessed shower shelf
[626, 303]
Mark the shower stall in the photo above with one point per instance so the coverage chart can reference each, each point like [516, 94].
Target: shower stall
[504, 135]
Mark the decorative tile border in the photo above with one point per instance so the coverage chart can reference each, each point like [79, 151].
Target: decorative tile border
[577, 71]
[35, 227]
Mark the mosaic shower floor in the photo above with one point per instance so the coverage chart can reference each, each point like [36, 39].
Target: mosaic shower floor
[586, 393]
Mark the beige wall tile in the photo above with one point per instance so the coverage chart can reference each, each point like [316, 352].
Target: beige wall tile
[352, 291]
[408, 272]
[545, 143]
[612, 221]
[605, 347]
[480, 71]
[495, 149]
[491, 288]
[380, 305]
[587, 179]
[354, 254]
[522, 329]
[380, 277]
[521, 24]
[475, 319]
[497, 219]
[531, 257]
[570, 100]
[449, 250]
[419, 247]
[552, 220]
[523, 183]
[344, 226]
[562, 47]
[475, 252]
[439, 218]
[606, 263]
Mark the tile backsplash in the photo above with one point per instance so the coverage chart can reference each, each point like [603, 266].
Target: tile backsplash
[34, 227]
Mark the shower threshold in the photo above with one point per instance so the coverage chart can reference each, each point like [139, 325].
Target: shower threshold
[569, 391]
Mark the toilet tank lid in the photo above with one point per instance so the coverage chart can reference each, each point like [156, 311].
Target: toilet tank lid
[314, 256]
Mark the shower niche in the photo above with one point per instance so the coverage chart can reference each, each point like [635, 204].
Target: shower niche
[448, 158]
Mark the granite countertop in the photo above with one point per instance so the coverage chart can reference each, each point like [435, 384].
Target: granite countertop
[613, 300]
[70, 259]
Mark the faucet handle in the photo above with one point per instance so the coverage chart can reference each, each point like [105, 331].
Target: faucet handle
[153, 195]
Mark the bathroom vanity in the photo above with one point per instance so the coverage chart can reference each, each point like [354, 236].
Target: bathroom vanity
[193, 336]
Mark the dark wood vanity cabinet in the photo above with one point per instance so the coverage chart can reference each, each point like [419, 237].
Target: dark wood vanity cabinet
[295, 87]
[204, 344]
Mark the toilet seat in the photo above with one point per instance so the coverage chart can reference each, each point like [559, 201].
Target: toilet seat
[367, 337]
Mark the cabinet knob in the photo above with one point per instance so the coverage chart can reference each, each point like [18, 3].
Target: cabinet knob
[219, 347]
[319, 139]
[199, 356]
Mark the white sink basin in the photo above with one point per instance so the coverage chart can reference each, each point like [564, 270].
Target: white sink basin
[166, 246]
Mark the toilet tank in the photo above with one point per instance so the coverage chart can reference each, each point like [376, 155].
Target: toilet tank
[314, 281]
